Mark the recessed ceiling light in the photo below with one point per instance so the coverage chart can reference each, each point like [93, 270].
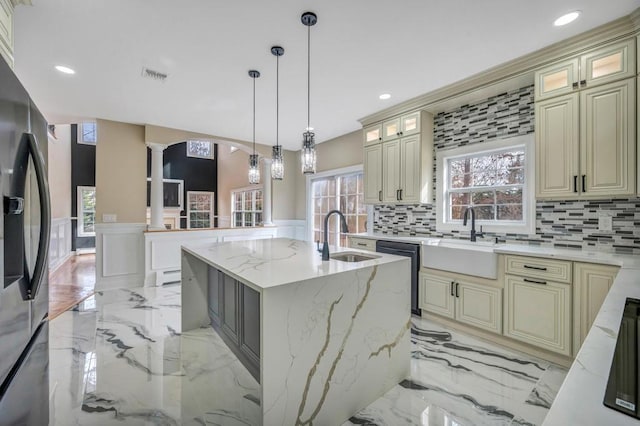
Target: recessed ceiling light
[385, 96]
[64, 69]
[566, 18]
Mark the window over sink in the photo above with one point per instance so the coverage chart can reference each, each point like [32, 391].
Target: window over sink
[496, 179]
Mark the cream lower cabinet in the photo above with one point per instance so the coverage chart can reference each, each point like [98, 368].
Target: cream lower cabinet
[460, 299]
[538, 312]
[590, 287]
[362, 243]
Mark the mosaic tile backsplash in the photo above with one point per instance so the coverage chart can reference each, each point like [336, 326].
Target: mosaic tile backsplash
[562, 224]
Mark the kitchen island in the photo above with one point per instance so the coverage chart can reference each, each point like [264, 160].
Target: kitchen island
[323, 339]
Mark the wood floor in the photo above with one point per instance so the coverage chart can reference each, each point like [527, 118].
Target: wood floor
[71, 283]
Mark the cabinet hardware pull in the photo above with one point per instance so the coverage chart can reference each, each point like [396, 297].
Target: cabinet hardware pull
[584, 183]
[575, 183]
[575, 85]
[401, 195]
[537, 268]
[398, 194]
[380, 195]
[452, 283]
[583, 83]
[457, 285]
[361, 244]
[526, 280]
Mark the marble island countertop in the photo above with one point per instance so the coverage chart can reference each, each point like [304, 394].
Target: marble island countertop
[268, 263]
[580, 399]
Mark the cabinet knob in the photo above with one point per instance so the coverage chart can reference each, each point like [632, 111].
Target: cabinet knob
[583, 83]
[400, 133]
[575, 85]
[380, 138]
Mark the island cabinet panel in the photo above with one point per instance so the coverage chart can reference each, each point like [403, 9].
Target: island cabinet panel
[250, 336]
[214, 292]
[230, 308]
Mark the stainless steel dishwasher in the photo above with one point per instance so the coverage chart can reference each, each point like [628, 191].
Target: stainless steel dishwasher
[411, 251]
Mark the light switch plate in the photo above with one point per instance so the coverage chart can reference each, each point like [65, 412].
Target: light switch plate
[605, 223]
[109, 218]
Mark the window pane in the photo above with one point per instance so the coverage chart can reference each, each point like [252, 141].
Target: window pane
[461, 181]
[362, 224]
[484, 212]
[509, 196]
[362, 208]
[510, 212]
[457, 212]
[483, 198]
[238, 219]
[458, 198]
[258, 219]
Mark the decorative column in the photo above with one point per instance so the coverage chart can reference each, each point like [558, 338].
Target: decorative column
[266, 192]
[157, 195]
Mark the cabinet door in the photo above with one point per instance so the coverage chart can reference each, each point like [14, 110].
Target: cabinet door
[372, 134]
[410, 124]
[539, 313]
[390, 171]
[436, 295]
[250, 340]
[410, 160]
[608, 64]
[479, 305]
[590, 286]
[214, 291]
[362, 243]
[557, 147]
[6, 31]
[391, 129]
[557, 79]
[373, 174]
[230, 301]
[607, 117]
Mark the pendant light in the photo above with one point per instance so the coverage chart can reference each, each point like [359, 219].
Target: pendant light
[308, 153]
[254, 169]
[277, 162]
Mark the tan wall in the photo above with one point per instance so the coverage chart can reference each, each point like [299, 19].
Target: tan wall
[233, 169]
[59, 171]
[121, 168]
[285, 191]
[343, 151]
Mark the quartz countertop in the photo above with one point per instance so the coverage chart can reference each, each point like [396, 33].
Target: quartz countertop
[273, 262]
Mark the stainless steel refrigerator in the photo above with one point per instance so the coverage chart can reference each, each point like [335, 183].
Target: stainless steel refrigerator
[24, 246]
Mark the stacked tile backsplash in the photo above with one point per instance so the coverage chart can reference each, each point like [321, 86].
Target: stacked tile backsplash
[572, 224]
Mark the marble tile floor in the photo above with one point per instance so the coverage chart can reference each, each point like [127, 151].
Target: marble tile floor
[117, 358]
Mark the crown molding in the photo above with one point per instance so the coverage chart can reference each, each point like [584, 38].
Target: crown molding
[517, 68]
[17, 2]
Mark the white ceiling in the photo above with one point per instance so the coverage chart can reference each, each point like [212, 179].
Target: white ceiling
[359, 49]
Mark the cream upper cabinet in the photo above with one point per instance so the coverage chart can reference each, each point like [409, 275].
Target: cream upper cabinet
[470, 300]
[595, 67]
[591, 285]
[390, 171]
[399, 169]
[586, 143]
[608, 139]
[391, 129]
[557, 79]
[372, 134]
[6, 31]
[538, 312]
[557, 146]
[609, 63]
[373, 174]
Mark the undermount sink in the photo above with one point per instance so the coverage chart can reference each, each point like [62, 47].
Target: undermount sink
[352, 257]
[464, 257]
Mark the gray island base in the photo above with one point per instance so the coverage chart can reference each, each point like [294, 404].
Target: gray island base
[322, 339]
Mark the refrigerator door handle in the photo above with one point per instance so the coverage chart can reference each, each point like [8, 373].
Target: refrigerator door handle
[45, 216]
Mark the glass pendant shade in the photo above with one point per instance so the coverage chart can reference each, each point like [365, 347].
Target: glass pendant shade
[254, 169]
[277, 163]
[308, 153]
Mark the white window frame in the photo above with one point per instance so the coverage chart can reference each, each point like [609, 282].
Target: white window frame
[80, 208]
[359, 168]
[81, 139]
[253, 205]
[211, 208]
[211, 146]
[528, 223]
[180, 183]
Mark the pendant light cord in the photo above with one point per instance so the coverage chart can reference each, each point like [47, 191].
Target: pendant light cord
[277, 98]
[308, 76]
[254, 116]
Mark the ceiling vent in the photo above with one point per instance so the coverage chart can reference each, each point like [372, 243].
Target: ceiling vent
[153, 74]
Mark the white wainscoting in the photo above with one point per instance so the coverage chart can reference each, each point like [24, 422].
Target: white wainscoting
[60, 245]
[291, 228]
[119, 255]
[162, 258]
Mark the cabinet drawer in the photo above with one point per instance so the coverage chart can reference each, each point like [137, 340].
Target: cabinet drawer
[362, 243]
[535, 267]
